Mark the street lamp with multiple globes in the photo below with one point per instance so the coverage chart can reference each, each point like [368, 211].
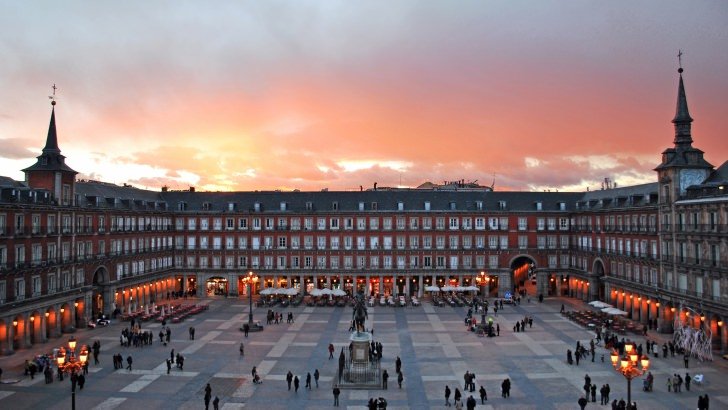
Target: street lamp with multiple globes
[250, 280]
[68, 362]
[631, 365]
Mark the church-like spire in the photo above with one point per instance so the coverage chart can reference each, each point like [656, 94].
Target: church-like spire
[51, 146]
[682, 118]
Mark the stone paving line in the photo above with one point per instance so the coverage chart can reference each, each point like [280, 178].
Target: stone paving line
[301, 344]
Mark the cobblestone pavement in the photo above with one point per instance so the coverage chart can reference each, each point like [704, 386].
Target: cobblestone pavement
[432, 342]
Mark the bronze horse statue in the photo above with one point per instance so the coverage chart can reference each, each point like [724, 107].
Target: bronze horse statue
[360, 312]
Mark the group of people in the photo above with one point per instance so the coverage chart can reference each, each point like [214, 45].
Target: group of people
[291, 379]
[471, 402]
[134, 336]
[277, 317]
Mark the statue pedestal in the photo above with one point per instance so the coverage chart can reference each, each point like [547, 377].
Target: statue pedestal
[360, 344]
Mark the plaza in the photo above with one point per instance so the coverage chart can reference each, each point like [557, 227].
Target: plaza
[433, 343]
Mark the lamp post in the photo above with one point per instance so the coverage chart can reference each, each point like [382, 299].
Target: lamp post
[68, 362]
[250, 280]
[631, 365]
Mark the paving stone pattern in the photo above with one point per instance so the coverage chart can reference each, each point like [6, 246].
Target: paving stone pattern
[432, 342]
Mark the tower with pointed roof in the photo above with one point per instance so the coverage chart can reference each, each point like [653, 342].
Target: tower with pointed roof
[682, 165]
[50, 170]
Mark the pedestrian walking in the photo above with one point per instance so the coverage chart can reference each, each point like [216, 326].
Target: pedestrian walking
[192, 333]
[128, 362]
[400, 378]
[208, 396]
[688, 379]
[289, 379]
[308, 380]
[242, 349]
[398, 364]
[686, 359]
[385, 376]
[331, 351]
[246, 329]
[81, 381]
[169, 366]
[296, 383]
[316, 377]
[216, 402]
[457, 397]
[447, 396]
[483, 395]
[336, 396]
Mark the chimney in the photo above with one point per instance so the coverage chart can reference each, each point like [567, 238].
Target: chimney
[192, 189]
[375, 186]
[165, 188]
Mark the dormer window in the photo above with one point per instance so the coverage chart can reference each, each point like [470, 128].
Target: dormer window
[400, 206]
[256, 207]
[335, 206]
[284, 206]
[562, 206]
[361, 206]
[231, 206]
[502, 205]
[452, 205]
[539, 206]
[427, 205]
[309, 206]
[479, 205]
[44, 161]
[374, 206]
[182, 206]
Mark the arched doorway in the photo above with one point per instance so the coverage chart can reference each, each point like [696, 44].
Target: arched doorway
[66, 318]
[35, 328]
[100, 280]
[51, 323]
[19, 332]
[217, 286]
[522, 269]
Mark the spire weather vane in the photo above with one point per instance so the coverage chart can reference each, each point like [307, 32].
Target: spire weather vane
[679, 58]
[53, 97]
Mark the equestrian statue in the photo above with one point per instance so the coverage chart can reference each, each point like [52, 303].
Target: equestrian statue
[360, 312]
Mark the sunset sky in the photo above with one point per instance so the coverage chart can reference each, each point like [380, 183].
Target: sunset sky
[247, 95]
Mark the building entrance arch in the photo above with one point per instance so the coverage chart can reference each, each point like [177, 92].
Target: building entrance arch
[100, 290]
[521, 271]
[216, 285]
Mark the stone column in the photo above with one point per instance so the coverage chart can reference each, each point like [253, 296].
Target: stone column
[8, 346]
[27, 330]
[43, 327]
[233, 285]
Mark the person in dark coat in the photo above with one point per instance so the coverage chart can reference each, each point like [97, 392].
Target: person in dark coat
[582, 402]
[483, 395]
[447, 396]
[470, 403]
[336, 396]
[289, 379]
[385, 376]
[400, 378]
[457, 396]
[296, 383]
